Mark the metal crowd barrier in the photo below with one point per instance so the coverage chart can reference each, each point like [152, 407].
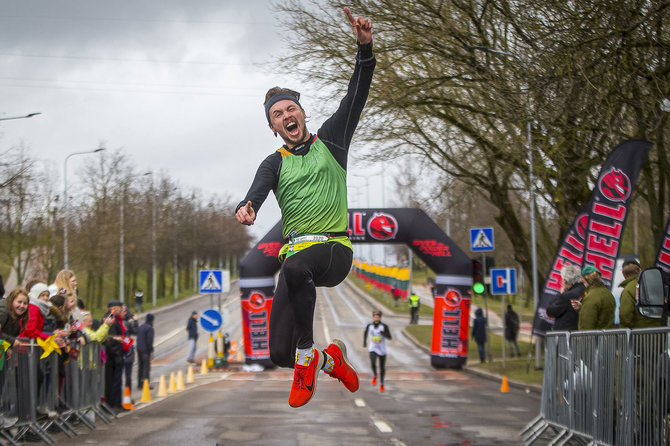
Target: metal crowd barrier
[39, 395]
[605, 387]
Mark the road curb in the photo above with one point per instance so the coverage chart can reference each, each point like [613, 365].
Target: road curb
[415, 341]
[534, 388]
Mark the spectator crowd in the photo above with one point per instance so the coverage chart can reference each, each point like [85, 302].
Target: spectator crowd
[55, 317]
[584, 303]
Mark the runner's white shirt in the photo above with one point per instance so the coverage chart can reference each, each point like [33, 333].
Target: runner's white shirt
[376, 337]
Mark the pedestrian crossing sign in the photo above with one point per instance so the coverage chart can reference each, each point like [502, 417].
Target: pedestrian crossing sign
[211, 281]
[481, 239]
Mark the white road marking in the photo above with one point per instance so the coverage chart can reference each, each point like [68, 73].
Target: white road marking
[361, 318]
[382, 426]
[168, 336]
[359, 402]
[354, 358]
[332, 308]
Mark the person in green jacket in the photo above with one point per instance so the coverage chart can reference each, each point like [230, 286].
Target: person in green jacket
[597, 309]
[628, 315]
[414, 304]
[98, 335]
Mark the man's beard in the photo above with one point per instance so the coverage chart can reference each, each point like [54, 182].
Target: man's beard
[301, 138]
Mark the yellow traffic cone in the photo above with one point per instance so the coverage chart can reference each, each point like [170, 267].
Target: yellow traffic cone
[203, 367]
[180, 381]
[127, 402]
[146, 392]
[504, 388]
[162, 390]
[189, 375]
[172, 387]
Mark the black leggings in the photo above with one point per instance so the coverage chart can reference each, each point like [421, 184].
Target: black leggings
[382, 365]
[292, 314]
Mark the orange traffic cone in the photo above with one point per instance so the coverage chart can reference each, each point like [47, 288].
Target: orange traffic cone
[203, 367]
[127, 402]
[504, 388]
[189, 375]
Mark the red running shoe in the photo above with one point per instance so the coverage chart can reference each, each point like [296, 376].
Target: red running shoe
[304, 381]
[381, 388]
[342, 369]
[374, 381]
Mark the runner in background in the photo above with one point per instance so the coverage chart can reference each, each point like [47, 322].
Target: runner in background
[377, 333]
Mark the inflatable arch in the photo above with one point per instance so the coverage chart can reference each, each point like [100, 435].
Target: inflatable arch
[453, 269]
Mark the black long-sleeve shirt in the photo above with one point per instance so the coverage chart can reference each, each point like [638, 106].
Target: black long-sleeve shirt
[336, 132]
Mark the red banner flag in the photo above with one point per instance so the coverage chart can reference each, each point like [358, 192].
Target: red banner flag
[663, 256]
[595, 235]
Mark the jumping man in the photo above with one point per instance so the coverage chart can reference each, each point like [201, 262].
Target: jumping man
[308, 177]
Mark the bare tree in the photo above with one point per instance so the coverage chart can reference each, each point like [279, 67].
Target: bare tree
[46, 227]
[457, 83]
[18, 194]
[189, 233]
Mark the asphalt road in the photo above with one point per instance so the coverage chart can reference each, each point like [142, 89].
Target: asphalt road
[421, 405]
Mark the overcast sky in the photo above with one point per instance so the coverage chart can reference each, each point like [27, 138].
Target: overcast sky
[178, 85]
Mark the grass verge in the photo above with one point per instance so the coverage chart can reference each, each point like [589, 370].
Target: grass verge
[517, 369]
[385, 299]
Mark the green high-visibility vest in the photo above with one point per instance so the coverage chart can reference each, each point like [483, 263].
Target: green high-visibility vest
[413, 300]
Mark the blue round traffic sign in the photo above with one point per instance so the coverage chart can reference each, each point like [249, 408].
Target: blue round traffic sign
[211, 320]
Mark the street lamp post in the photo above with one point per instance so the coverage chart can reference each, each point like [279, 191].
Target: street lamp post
[153, 241]
[29, 115]
[175, 259]
[65, 200]
[122, 272]
[531, 179]
[531, 189]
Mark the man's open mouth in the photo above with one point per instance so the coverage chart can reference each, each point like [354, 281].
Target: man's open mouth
[291, 126]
